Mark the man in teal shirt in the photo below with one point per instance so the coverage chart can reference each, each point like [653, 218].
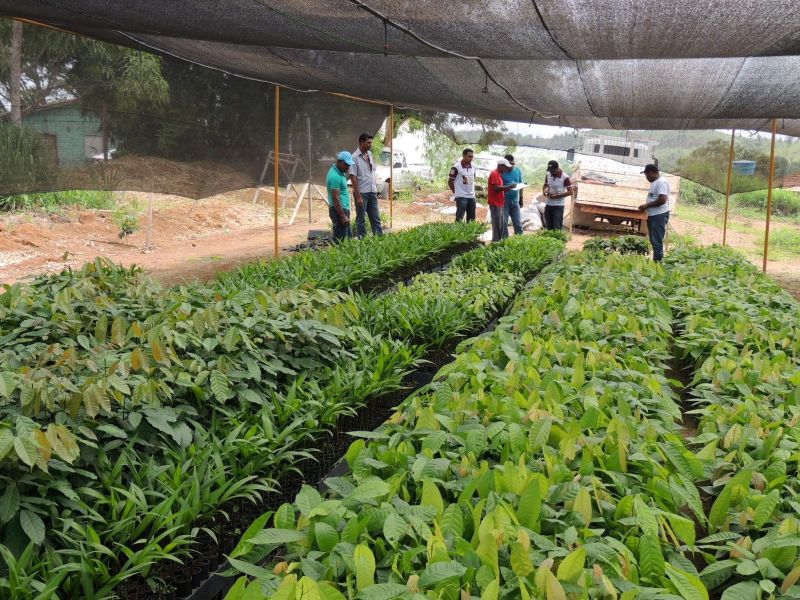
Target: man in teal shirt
[513, 198]
[339, 196]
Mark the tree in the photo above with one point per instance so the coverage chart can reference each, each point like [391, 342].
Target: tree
[16, 73]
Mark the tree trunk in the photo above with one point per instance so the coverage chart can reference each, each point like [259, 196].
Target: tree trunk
[105, 131]
[16, 72]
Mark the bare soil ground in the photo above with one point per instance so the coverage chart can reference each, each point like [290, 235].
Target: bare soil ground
[190, 239]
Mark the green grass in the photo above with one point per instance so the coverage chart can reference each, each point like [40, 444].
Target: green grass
[53, 201]
[711, 215]
[783, 244]
[752, 205]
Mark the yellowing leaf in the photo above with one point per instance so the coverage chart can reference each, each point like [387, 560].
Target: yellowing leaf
[571, 567]
[520, 560]
[431, 496]
[364, 562]
[583, 505]
[553, 588]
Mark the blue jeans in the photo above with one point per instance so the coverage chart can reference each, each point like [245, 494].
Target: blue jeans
[657, 229]
[465, 206]
[340, 230]
[512, 209]
[370, 208]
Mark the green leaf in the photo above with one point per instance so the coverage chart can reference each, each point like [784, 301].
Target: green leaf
[715, 574]
[113, 431]
[688, 586]
[539, 434]
[746, 590]
[530, 503]
[452, 521]
[383, 591]
[219, 385]
[765, 508]
[249, 568]
[394, 528]
[436, 573]
[364, 562]
[284, 516]
[722, 536]
[651, 560]
[32, 525]
[371, 489]
[719, 510]
[328, 592]
[9, 503]
[747, 567]
[326, 536]
[6, 442]
[278, 536]
[491, 591]
[683, 528]
[307, 500]
[645, 517]
[26, 450]
[571, 567]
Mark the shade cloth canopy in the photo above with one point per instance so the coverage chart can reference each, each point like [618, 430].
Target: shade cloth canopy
[621, 64]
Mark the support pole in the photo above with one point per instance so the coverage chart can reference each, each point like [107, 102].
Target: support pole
[149, 238]
[769, 192]
[310, 193]
[728, 191]
[277, 162]
[390, 130]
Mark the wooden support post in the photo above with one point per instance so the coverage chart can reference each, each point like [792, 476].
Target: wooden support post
[310, 166]
[277, 163]
[728, 190]
[769, 192]
[149, 236]
[390, 130]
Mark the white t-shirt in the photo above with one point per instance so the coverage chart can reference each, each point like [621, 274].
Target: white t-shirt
[657, 188]
[464, 182]
[557, 185]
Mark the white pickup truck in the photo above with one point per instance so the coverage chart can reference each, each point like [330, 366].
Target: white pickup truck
[406, 176]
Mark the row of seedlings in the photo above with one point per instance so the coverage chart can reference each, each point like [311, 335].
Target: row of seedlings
[157, 481]
[545, 462]
[738, 334]
[131, 413]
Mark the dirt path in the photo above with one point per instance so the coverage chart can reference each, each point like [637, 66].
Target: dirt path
[190, 239]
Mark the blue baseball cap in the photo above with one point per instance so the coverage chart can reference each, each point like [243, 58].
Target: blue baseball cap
[345, 156]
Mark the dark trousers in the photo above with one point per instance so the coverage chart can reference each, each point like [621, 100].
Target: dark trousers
[465, 206]
[511, 209]
[554, 217]
[340, 230]
[369, 209]
[657, 229]
[499, 225]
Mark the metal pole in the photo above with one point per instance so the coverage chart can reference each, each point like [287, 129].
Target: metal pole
[390, 129]
[728, 190]
[277, 162]
[769, 192]
[310, 194]
[149, 241]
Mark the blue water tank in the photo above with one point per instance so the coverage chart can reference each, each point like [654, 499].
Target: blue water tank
[745, 167]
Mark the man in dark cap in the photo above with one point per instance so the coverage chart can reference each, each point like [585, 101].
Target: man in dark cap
[657, 207]
[556, 188]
